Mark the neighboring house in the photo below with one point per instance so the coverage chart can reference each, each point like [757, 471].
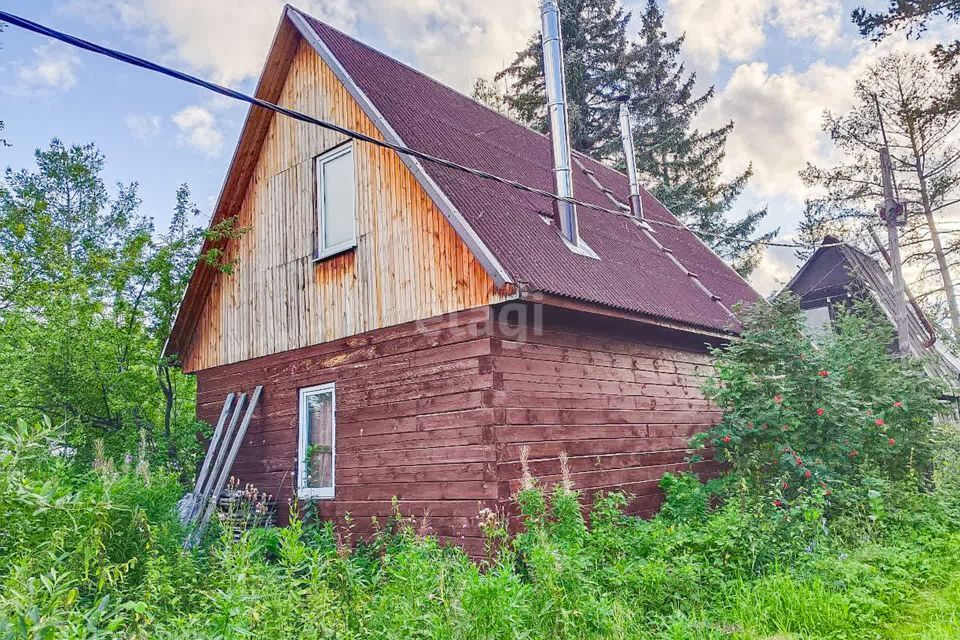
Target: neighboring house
[415, 327]
[838, 273]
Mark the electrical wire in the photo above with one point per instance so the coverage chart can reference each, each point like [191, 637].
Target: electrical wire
[143, 63]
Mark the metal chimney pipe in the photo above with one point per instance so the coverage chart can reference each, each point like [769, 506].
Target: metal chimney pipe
[553, 73]
[630, 159]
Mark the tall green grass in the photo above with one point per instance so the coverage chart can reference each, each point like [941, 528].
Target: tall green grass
[97, 554]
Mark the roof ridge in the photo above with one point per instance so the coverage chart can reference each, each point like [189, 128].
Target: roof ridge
[447, 87]
[421, 73]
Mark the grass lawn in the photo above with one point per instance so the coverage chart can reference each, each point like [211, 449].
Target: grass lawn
[935, 615]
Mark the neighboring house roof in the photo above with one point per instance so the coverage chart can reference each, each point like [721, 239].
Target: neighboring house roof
[830, 271]
[502, 225]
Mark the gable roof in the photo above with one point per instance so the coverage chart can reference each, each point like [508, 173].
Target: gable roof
[835, 265]
[659, 272]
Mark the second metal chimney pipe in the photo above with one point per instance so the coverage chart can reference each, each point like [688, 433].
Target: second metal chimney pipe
[630, 159]
[556, 87]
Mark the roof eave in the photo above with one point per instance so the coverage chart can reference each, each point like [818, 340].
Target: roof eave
[565, 302]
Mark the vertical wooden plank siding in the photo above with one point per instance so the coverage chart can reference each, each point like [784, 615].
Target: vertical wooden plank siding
[409, 262]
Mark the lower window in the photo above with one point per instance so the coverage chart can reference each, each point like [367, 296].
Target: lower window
[316, 442]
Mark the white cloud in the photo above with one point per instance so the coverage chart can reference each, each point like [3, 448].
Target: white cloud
[198, 129]
[457, 40]
[55, 67]
[818, 20]
[779, 115]
[716, 29]
[143, 126]
[735, 30]
[778, 119]
[776, 268]
[224, 39]
[227, 40]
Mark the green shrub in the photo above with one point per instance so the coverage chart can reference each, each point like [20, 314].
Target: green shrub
[802, 419]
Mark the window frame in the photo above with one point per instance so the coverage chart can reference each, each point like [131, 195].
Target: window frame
[315, 493]
[323, 251]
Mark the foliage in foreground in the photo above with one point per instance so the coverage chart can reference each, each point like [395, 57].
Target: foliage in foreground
[800, 539]
[804, 420]
[89, 290]
[98, 554]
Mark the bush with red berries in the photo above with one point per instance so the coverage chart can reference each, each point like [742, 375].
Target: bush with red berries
[804, 417]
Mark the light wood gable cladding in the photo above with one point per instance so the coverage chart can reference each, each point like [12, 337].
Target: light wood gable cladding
[409, 262]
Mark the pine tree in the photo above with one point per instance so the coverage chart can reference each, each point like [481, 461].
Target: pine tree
[487, 92]
[817, 223]
[595, 50]
[681, 163]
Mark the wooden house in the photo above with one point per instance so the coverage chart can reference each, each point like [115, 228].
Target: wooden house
[838, 273]
[414, 326]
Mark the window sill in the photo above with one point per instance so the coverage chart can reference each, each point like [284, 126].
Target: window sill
[334, 251]
[315, 494]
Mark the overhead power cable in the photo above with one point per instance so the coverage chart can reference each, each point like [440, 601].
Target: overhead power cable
[143, 63]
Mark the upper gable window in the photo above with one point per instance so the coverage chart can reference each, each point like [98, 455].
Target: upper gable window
[336, 202]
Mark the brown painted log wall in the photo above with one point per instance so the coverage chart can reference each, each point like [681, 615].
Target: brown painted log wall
[619, 399]
[434, 413]
[414, 420]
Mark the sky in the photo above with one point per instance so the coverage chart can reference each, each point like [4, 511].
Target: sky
[776, 65]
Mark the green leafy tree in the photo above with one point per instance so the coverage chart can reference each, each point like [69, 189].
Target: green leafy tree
[87, 299]
[680, 163]
[595, 51]
[3, 142]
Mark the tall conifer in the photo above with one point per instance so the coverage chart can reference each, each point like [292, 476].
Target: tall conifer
[680, 164]
[595, 51]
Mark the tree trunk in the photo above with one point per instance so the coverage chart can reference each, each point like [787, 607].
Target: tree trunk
[948, 288]
[166, 387]
[949, 291]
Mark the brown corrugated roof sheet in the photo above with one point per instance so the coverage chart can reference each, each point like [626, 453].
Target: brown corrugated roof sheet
[631, 274]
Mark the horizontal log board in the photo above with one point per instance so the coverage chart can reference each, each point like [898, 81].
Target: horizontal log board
[414, 420]
[620, 402]
[434, 413]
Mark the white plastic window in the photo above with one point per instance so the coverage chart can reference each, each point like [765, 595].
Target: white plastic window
[316, 442]
[336, 202]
